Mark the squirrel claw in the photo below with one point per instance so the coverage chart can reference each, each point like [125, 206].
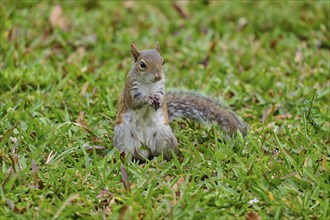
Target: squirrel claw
[154, 101]
[156, 106]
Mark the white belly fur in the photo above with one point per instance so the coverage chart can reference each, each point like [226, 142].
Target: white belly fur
[143, 125]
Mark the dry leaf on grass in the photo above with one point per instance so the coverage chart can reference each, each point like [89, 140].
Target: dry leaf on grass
[128, 4]
[104, 194]
[169, 178]
[179, 6]
[77, 56]
[252, 216]
[84, 89]
[284, 116]
[178, 183]
[123, 211]
[242, 22]
[124, 179]
[57, 18]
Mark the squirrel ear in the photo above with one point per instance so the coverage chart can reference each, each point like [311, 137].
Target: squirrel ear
[157, 47]
[135, 52]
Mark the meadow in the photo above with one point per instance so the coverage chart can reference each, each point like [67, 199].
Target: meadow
[64, 64]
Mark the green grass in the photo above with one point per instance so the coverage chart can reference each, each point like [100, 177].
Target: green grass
[59, 87]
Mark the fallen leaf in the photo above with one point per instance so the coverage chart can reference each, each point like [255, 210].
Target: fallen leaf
[169, 178]
[104, 194]
[249, 115]
[242, 22]
[57, 18]
[179, 6]
[128, 4]
[77, 56]
[132, 186]
[84, 89]
[124, 178]
[284, 116]
[123, 211]
[178, 183]
[252, 216]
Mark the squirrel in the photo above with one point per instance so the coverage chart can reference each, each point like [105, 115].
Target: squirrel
[142, 126]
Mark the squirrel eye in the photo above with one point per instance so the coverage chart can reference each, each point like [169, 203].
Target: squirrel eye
[142, 65]
[163, 62]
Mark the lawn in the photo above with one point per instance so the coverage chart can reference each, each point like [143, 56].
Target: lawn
[64, 64]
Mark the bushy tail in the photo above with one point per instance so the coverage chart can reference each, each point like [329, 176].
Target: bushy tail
[181, 104]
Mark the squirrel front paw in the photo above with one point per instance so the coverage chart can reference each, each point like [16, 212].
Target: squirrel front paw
[154, 101]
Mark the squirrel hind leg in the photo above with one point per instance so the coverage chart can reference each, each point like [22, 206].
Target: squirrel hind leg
[163, 141]
[126, 141]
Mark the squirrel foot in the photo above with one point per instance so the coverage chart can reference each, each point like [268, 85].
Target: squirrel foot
[154, 101]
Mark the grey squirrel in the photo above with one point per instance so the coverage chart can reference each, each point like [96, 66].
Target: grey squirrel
[142, 127]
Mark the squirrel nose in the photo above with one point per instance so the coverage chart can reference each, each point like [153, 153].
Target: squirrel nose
[158, 77]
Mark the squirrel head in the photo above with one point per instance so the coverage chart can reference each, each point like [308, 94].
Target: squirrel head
[148, 64]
